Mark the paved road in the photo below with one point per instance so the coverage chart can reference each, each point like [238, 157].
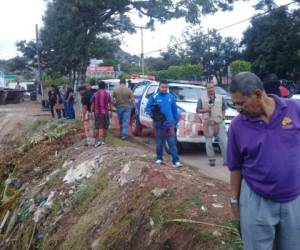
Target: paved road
[195, 156]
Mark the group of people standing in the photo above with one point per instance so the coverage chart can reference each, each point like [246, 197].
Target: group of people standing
[97, 109]
[61, 100]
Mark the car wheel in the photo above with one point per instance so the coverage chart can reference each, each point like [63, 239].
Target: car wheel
[136, 127]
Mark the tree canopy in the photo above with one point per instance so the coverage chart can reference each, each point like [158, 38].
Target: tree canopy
[272, 42]
[77, 30]
[213, 51]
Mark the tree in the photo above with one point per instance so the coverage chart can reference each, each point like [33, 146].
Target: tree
[180, 72]
[72, 27]
[239, 66]
[213, 51]
[272, 42]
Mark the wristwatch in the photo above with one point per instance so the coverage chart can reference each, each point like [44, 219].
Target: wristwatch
[233, 201]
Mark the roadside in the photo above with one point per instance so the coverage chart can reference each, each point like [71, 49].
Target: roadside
[194, 155]
[63, 195]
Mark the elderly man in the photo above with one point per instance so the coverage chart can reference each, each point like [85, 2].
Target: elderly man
[264, 160]
[212, 107]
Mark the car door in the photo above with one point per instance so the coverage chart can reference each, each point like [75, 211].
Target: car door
[145, 119]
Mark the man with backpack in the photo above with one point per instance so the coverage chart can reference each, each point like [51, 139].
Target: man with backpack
[163, 110]
[101, 106]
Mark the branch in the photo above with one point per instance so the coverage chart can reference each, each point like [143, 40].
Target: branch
[233, 230]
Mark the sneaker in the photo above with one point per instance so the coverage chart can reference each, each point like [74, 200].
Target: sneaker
[177, 165]
[158, 162]
[98, 143]
[212, 163]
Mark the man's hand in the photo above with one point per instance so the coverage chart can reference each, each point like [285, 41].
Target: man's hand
[208, 109]
[235, 211]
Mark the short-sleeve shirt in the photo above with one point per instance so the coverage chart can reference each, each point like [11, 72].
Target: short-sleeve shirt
[86, 100]
[123, 96]
[101, 99]
[268, 154]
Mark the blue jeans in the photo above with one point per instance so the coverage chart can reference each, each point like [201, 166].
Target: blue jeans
[65, 110]
[70, 110]
[163, 135]
[124, 115]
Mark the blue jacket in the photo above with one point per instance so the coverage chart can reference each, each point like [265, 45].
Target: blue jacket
[167, 104]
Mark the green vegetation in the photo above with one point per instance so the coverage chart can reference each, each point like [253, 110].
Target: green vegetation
[239, 66]
[88, 191]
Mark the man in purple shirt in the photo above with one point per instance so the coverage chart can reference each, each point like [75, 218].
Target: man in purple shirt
[264, 160]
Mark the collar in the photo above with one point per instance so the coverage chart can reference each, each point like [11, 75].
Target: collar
[280, 105]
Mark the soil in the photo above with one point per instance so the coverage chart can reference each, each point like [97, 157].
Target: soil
[116, 207]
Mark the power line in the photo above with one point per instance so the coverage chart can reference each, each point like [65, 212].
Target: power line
[230, 25]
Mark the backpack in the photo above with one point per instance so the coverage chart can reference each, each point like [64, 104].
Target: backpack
[156, 114]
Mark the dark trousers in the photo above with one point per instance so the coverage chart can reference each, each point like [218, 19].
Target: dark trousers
[58, 111]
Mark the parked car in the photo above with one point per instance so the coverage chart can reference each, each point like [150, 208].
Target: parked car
[190, 127]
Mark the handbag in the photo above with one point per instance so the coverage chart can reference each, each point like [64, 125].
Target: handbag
[59, 106]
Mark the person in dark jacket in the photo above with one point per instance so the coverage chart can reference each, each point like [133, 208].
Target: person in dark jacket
[55, 101]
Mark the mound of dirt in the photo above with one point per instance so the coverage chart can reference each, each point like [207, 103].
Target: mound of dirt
[63, 195]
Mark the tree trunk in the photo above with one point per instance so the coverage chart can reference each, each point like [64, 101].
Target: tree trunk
[82, 71]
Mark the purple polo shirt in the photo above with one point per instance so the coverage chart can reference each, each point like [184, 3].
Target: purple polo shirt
[268, 154]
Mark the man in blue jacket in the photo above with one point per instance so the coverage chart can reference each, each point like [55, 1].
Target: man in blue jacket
[162, 108]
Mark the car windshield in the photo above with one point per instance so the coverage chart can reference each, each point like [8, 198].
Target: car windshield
[221, 91]
[186, 93]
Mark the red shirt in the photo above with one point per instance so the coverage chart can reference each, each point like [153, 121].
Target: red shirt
[284, 92]
[100, 100]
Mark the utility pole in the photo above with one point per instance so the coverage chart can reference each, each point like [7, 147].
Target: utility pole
[38, 57]
[142, 48]
[142, 54]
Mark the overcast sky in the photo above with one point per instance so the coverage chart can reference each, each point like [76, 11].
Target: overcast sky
[18, 19]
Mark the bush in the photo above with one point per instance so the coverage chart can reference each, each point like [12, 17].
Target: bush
[239, 66]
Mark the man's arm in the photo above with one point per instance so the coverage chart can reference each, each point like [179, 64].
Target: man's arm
[70, 95]
[175, 110]
[131, 97]
[224, 107]
[235, 184]
[149, 104]
[235, 162]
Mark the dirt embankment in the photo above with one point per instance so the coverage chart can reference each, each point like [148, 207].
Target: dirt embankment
[62, 195]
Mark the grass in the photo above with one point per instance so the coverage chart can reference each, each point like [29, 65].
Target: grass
[116, 237]
[114, 141]
[37, 124]
[194, 201]
[85, 195]
[204, 236]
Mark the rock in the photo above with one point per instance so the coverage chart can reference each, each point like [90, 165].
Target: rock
[95, 244]
[158, 192]
[217, 205]
[217, 234]
[71, 192]
[209, 184]
[151, 221]
[152, 233]
[203, 208]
